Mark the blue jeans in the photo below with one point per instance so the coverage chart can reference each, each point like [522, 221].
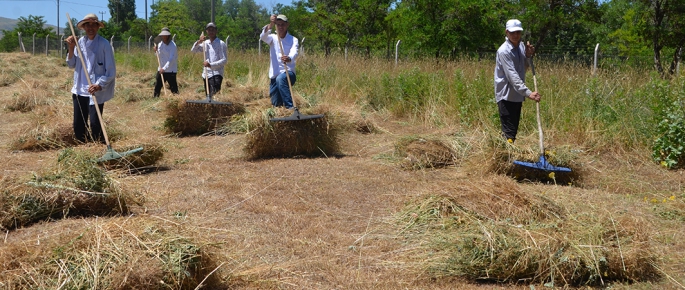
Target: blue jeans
[280, 92]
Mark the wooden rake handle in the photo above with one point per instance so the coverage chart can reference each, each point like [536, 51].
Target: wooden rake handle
[287, 76]
[160, 66]
[85, 69]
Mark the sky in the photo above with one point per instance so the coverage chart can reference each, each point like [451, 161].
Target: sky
[78, 8]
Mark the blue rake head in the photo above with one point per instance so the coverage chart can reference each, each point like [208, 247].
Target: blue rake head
[542, 164]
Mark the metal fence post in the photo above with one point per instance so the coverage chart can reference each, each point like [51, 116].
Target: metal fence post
[594, 69]
[129, 44]
[111, 43]
[302, 46]
[397, 46]
[46, 43]
[149, 43]
[34, 43]
[61, 45]
[21, 43]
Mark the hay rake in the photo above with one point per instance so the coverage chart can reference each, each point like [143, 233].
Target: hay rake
[208, 95]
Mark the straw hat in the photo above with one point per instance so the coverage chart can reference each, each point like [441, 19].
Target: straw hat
[165, 32]
[90, 17]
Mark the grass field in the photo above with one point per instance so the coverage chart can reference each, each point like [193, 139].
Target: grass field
[420, 196]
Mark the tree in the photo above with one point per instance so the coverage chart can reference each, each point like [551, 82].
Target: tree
[665, 28]
[243, 22]
[122, 11]
[27, 27]
[175, 16]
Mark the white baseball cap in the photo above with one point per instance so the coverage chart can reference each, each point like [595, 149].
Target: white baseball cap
[514, 25]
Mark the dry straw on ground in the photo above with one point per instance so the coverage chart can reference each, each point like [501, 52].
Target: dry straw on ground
[419, 153]
[114, 253]
[196, 119]
[306, 138]
[496, 231]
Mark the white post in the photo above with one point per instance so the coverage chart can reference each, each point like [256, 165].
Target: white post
[149, 43]
[61, 45]
[397, 46]
[111, 43]
[46, 43]
[594, 70]
[259, 49]
[21, 43]
[173, 38]
[302, 46]
[34, 43]
[129, 44]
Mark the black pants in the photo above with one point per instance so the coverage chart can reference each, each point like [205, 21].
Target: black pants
[82, 112]
[214, 84]
[509, 116]
[170, 78]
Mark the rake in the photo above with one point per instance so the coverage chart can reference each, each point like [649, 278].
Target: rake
[296, 116]
[542, 163]
[110, 154]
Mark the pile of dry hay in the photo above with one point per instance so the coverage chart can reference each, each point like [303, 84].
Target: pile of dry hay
[307, 138]
[110, 253]
[188, 119]
[75, 186]
[137, 162]
[420, 153]
[493, 231]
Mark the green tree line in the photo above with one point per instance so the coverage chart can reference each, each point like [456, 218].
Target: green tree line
[636, 31]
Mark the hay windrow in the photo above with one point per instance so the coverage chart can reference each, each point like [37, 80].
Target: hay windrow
[45, 137]
[75, 186]
[282, 139]
[495, 232]
[188, 119]
[115, 253]
[149, 156]
[419, 153]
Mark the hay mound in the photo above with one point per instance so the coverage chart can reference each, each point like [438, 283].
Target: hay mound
[76, 186]
[149, 156]
[124, 253]
[491, 231]
[307, 138]
[43, 137]
[189, 119]
[419, 153]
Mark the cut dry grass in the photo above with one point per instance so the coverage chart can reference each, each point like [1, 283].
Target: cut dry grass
[43, 138]
[419, 153]
[116, 253]
[140, 161]
[189, 119]
[281, 139]
[496, 231]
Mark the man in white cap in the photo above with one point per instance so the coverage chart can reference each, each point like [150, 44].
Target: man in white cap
[100, 69]
[279, 89]
[510, 75]
[215, 58]
[168, 63]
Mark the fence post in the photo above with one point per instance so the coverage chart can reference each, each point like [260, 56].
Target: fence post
[173, 38]
[46, 43]
[149, 43]
[227, 36]
[111, 43]
[129, 44]
[21, 43]
[34, 43]
[397, 46]
[61, 45]
[302, 46]
[594, 70]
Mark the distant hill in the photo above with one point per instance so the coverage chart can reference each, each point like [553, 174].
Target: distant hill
[9, 24]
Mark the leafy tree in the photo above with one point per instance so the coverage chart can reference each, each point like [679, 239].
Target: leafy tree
[122, 12]
[175, 16]
[665, 29]
[27, 27]
[243, 22]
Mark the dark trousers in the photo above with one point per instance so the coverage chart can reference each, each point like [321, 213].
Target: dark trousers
[170, 78]
[214, 84]
[509, 116]
[82, 112]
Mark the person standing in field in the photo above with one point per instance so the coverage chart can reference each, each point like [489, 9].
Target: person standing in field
[214, 59]
[510, 76]
[168, 63]
[279, 90]
[100, 69]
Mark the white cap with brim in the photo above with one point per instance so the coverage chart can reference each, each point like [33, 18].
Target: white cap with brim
[282, 17]
[514, 25]
[165, 32]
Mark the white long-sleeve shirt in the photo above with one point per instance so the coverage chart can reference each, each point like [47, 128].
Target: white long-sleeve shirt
[291, 46]
[99, 59]
[510, 73]
[215, 54]
[168, 57]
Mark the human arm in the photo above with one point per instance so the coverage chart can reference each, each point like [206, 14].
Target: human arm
[266, 31]
[71, 42]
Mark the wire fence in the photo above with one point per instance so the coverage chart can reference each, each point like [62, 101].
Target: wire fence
[55, 46]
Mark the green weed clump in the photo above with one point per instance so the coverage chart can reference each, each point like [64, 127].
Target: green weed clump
[668, 148]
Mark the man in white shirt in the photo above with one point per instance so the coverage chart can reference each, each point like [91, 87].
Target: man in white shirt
[510, 75]
[279, 89]
[214, 60]
[168, 63]
[100, 69]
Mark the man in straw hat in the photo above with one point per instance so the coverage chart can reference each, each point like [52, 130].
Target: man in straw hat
[214, 59]
[279, 89]
[510, 75]
[100, 69]
[168, 63]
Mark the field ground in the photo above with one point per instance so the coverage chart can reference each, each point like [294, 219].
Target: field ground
[318, 223]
